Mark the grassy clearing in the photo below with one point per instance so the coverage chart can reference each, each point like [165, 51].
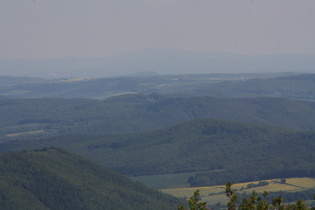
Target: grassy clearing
[25, 133]
[167, 181]
[15, 92]
[163, 181]
[215, 194]
[74, 80]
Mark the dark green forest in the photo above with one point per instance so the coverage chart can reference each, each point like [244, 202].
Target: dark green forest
[53, 178]
[219, 150]
[138, 113]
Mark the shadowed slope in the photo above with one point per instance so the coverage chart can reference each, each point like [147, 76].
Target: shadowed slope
[56, 179]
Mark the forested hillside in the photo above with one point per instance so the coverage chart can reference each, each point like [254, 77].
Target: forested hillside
[229, 137]
[295, 87]
[29, 118]
[56, 179]
[21, 87]
[235, 151]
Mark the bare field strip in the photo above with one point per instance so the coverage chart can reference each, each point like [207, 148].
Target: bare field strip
[23, 133]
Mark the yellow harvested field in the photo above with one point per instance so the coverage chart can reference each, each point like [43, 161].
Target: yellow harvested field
[215, 199]
[188, 192]
[305, 182]
[215, 194]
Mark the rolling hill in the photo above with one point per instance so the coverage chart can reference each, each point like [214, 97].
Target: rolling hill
[30, 118]
[285, 85]
[53, 178]
[100, 88]
[294, 86]
[235, 151]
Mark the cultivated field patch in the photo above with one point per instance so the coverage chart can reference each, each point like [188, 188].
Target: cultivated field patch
[215, 194]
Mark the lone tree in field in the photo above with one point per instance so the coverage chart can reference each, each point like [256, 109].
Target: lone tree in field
[194, 203]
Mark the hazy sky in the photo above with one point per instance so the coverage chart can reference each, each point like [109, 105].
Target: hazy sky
[99, 28]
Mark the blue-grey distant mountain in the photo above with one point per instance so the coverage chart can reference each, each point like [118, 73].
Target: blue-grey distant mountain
[161, 61]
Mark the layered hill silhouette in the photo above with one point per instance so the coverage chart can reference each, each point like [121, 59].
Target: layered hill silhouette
[161, 61]
[184, 130]
[240, 151]
[285, 85]
[30, 118]
[53, 178]
[294, 87]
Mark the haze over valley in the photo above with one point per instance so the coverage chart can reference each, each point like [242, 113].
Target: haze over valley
[157, 61]
[138, 105]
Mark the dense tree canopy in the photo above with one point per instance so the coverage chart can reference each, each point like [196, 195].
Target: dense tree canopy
[53, 178]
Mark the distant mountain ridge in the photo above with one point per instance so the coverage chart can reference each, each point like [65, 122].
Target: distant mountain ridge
[160, 61]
